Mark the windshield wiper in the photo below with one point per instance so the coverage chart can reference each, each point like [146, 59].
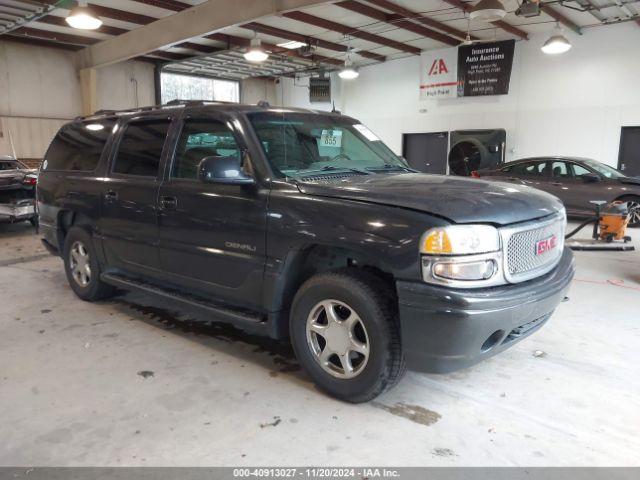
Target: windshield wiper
[390, 167]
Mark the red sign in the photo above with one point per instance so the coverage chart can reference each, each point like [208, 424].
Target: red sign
[546, 245]
[438, 67]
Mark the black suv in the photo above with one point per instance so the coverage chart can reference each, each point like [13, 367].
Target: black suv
[303, 225]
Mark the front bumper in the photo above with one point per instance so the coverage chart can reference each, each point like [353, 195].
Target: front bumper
[17, 211]
[446, 329]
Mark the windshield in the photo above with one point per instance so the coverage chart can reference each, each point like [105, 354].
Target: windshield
[603, 169]
[299, 144]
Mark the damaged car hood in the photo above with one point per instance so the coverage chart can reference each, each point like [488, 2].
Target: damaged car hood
[457, 199]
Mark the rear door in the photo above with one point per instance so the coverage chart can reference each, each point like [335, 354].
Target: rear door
[129, 220]
[531, 173]
[212, 236]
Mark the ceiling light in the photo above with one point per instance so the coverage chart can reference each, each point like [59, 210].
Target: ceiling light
[488, 11]
[255, 53]
[83, 17]
[556, 44]
[349, 72]
[292, 45]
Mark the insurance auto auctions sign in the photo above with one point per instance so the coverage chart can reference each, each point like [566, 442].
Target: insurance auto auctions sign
[467, 71]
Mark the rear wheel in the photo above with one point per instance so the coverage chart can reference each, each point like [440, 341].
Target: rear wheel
[82, 267]
[344, 331]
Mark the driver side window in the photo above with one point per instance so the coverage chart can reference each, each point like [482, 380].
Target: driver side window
[200, 139]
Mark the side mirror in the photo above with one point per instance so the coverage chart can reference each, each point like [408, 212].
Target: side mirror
[590, 178]
[227, 170]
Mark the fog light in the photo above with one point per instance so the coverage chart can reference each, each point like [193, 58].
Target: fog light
[481, 270]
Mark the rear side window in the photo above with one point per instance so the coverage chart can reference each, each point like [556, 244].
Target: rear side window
[529, 169]
[78, 146]
[141, 148]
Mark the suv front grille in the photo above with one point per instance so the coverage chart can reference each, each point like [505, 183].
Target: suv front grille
[527, 248]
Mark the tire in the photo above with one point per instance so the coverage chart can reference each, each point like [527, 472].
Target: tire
[80, 252]
[363, 321]
[633, 204]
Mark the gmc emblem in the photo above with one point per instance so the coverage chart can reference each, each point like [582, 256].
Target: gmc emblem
[546, 245]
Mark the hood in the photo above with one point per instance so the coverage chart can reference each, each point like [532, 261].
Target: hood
[457, 199]
[630, 180]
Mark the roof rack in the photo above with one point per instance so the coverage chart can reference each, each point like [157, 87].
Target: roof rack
[172, 103]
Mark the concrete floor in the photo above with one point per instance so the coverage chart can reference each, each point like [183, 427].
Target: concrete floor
[133, 381]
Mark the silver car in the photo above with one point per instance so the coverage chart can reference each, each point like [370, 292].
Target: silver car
[17, 191]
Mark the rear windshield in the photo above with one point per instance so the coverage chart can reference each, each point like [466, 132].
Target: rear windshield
[78, 146]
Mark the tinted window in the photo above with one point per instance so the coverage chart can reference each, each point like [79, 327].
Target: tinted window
[528, 169]
[78, 146]
[140, 148]
[199, 139]
[578, 170]
[560, 170]
[8, 166]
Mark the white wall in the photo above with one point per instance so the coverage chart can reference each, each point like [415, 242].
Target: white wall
[40, 90]
[572, 104]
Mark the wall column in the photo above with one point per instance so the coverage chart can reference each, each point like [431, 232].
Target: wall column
[89, 90]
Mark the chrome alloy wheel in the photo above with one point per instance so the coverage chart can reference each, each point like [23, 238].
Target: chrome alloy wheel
[633, 208]
[79, 263]
[338, 339]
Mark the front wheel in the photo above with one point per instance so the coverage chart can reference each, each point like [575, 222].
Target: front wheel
[633, 207]
[344, 332]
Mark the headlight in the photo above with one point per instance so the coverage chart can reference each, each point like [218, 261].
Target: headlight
[460, 240]
[462, 256]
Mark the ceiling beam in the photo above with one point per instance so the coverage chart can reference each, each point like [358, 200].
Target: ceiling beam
[234, 41]
[350, 31]
[114, 14]
[28, 32]
[177, 6]
[196, 21]
[39, 42]
[106, 29]
[507, 27]
[560, 17]
[405, 13]
[298, 37]
[398, 21]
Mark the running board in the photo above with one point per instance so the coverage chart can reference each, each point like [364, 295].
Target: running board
[223, 314]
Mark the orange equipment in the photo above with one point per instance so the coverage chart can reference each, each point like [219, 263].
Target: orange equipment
[613, 222]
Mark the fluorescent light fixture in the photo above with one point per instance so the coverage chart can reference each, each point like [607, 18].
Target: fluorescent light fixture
[556, 44]
[255, 53]
[83, 17]
[292, 45]
[349, 72]
[94, 127]
[488, 11]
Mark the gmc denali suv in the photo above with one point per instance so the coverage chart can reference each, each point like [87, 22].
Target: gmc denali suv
[303, 225]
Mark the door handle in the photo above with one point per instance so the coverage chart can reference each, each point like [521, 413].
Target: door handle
[111, 196]
[168, 203]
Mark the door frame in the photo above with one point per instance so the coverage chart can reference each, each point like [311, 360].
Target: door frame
[622, 129]
[447, 133]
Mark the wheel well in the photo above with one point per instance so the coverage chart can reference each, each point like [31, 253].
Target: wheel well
[303, 264]
[68, 219]
[627, 196]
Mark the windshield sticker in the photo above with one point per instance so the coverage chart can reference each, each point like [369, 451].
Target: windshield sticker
[331, 138]
[368, 134]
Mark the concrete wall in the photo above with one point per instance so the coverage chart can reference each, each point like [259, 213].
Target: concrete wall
[40, 91]
[253, 90]
[572, 104]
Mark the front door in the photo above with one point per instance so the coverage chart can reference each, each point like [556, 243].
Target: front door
[568, 185]
[212, 236]
[129, 223]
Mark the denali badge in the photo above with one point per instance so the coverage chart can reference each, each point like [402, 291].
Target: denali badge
[546, 245]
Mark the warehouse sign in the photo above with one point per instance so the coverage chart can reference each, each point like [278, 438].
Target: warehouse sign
[485, 68]
[439, 78]
[467, 71]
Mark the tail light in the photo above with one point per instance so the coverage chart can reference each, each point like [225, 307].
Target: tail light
[475, 174]
[30, 181]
